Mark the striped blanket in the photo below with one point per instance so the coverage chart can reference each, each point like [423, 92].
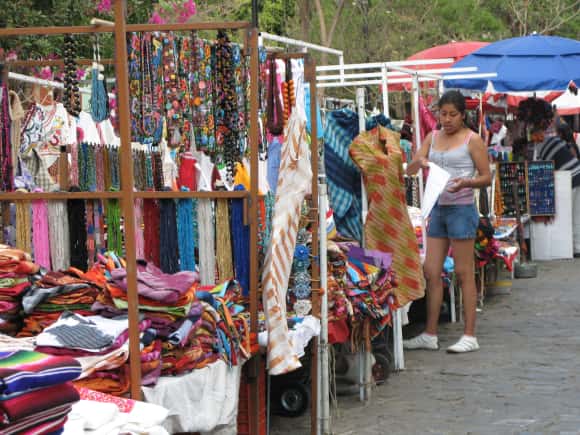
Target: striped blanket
[25, 370]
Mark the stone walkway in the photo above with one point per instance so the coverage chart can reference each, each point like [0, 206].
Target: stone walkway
[524, 380]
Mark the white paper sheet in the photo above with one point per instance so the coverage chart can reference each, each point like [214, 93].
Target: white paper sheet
[436, 183]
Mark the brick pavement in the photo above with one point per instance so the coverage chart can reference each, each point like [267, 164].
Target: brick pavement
[524, 380]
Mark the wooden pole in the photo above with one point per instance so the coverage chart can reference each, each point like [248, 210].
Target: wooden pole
[310, 77]
[127, 196]
[255, 365]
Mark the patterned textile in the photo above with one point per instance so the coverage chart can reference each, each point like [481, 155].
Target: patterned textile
[36, 401]
[388, 227]
[24, 370]
[293, 182]
[343, 176]
[49, 418]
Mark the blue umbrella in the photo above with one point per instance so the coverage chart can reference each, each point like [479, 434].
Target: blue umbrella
[527, 63]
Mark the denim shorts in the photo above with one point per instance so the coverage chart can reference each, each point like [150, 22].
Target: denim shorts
[453, 222]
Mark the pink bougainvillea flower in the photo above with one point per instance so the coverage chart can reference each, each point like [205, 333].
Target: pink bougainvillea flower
[104, 6]
[46, 73]
[190, 7]
[156, 18]
[81, 73]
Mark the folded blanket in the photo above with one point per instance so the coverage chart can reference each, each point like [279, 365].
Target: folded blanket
[23, 406]
[25, 370]
[35, 420]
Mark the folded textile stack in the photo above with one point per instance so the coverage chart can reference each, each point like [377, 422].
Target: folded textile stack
[360, 285]
[164, 299]
[54, 293]
[36, 394]
[100, 413]
[215, 329]
[101, 347]
[196, 325]
[15, 272]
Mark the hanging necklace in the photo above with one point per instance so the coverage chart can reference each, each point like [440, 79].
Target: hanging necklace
[226, 106]
[5, 143]
[135, 91]
[71, 95]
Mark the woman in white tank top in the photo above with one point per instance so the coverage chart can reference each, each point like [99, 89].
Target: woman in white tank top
[454, 219]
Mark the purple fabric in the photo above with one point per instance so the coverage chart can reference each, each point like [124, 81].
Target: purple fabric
[152, 283]
[371, 256]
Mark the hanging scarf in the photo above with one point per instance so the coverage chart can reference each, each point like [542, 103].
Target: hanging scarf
[206, 242]
[241, 244]
[77, 232]
[151, 231]
[40, 231]
[168, 243]
[23, 228]
[59, 235]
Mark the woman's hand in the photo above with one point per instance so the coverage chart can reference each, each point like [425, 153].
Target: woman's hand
[424, 161]
[457, 184]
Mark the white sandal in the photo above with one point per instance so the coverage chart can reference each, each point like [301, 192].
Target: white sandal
[465, 344]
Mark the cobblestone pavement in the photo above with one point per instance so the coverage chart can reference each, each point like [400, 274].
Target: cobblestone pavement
[524, 380]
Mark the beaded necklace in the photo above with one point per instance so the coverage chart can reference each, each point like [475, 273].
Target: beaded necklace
[135, 92]
[202, 89]
[5, 144]
[71, 95]
[226, 105]
[152, 94]
[172, 105]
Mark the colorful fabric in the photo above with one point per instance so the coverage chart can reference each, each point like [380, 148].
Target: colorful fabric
[25, 370]
[41, 420]
[293, 183]
[388, 227]
[36, 401]
[343, 176]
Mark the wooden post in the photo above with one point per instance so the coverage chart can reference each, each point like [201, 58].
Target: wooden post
[127, 196]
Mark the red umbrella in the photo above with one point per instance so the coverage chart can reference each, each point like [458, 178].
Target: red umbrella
[454, 50]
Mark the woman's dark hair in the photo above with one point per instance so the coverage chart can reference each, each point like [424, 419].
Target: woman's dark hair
[565, 133]
[453, 97]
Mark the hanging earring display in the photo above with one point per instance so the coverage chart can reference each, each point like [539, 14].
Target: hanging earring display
[71, 94]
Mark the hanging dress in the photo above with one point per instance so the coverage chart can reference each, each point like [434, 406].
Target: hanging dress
[388, 227]
[294, 180]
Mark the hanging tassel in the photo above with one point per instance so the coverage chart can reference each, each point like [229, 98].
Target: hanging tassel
[151, 232]
[77, 232]
[99, 97]
[40, 241]
[23, 228]
[223, 240]
[139, 237]
[168, 236]
[114, 235]
[207, 252]
[185, 234]
[241, 242]
[59, 235]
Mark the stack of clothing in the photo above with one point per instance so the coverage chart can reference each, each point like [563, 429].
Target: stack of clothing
[54, 293]
[215, 329]
[101, 347]
[100, 413]
[360, 285]
[15, 272]
[164, 299]
[36, 393]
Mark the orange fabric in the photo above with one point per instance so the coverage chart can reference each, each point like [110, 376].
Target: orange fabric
[388, 227]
